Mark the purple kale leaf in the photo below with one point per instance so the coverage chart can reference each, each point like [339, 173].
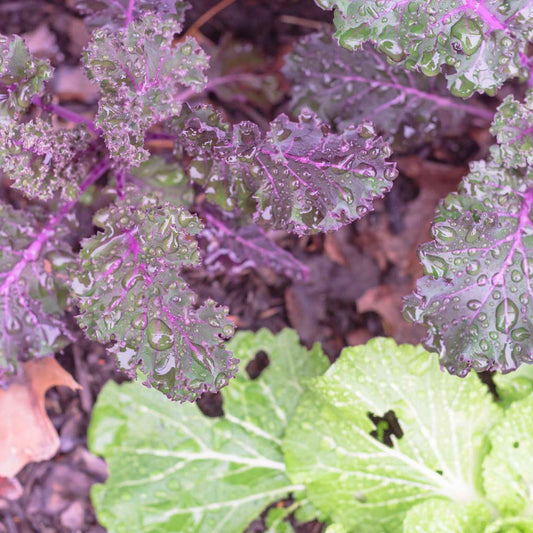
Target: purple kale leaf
[310, 179]
[41, 160]
[167, 178]
[143, 79]
[131, 294]
[33, 293]
[300, 176]
[201, 132]
[21, 76]
[513, 128]
[234, 246]
[114, 14]
[477, 44]
[345, 88]
[476, 298]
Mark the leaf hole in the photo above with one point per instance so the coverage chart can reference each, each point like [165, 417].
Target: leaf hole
[360, 497]
[257, 364]
[210, 403]
[404, 191]
[386, 426]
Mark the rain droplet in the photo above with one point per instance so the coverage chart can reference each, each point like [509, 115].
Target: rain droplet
[228, 330]
[520, 334]
[473, 267]
[139, 322]
[482, 280]
[506, 315]
[468, 35]
[473, 305]
[221, 380]
[497, 280]
[159, 335]
[444, 233]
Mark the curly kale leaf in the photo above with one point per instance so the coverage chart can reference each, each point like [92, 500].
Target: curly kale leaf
[345, 88]
[130, 292]
[114, 14]
[476, 298]
[301, 176]
[21, 76]
[33, 293]
[168, 178]
[477, 44]
[513, 128]
[41, 160]
[243, 245]
[143, 80]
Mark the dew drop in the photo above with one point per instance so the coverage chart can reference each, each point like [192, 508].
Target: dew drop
[221, 380]
[468, 35]
[159, 335]
[139, 322]
[228, 330]
[497, 280]
[506, 315]
[520, 334]
[444, 233]
[473, 305]
[473, 268]
[482, 280]
[13, 325]
[472, 235]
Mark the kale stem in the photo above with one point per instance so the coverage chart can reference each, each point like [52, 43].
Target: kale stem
[33, 251]
[76, 118]
[67, 114]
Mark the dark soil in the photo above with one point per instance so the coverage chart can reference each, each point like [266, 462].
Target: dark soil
[358, 275]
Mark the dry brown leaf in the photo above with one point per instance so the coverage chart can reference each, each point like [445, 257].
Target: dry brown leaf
[386, 301]
[71, 83]
[333, 250]
[26, 432]
[435, 181]
[10, 488]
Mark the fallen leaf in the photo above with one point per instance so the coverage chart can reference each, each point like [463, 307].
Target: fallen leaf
[42, 42]
[26, 432]
[10, 488]
[333, 250]
[386, 301]
[71, 83]
[376, 238]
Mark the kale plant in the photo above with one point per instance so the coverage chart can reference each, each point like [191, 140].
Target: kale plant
[314, 171]
[126, 284]
[477, 295]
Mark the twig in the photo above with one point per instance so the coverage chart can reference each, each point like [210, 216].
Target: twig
[305, 23]
[65, 113]
[207, 16]
[81, 375]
